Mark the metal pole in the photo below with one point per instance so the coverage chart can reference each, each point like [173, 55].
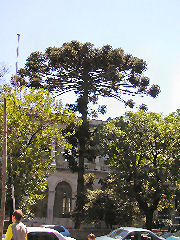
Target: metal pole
[12, 186]
[18, 35]
[13, 198]
[17, 51]
[4, 167]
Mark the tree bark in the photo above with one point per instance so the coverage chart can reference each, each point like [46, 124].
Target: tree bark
[80, 189]
[83, 106]
[149, 219]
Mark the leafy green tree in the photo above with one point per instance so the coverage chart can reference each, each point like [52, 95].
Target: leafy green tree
[89, 72]
[105, 205]
[142, 149]
[33, 122]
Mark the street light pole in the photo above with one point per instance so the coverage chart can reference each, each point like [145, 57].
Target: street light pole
[4, 167]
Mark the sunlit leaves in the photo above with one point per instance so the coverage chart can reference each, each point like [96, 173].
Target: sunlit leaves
[34, 123]
[143, 149]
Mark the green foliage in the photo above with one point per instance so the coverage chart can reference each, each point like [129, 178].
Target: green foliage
[105, 205]
[143, 150]
[34, 121]
[88, 71]
[89, 179]
[78, 133]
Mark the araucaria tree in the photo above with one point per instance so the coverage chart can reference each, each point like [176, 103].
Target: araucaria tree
[143, 150]
[89, 72]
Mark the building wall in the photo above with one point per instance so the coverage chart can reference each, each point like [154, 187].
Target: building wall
[64, 175]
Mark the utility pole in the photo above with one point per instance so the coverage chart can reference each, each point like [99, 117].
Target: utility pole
[4, 167]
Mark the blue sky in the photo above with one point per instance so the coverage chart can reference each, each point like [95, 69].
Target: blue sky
[148, 29]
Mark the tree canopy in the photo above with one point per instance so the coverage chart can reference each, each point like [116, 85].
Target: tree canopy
[142, 149]
[89, 72]
[34, 121]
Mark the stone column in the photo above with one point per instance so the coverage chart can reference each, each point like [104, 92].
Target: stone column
[98, 164]
[73, 201]
[51, 197]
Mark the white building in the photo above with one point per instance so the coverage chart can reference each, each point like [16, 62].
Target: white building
[62, 186]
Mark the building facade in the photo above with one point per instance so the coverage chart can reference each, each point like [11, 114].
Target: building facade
[62, 186]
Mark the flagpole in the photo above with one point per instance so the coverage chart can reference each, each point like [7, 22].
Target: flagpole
[17, 59]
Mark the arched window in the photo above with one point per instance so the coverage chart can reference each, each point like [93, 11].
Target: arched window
[63, 200]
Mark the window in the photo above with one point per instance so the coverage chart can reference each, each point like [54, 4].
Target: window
[117, 233]
[146, 236]
[66, 208]
[59, 229]
[42, 236]
[63, 200]
[132, 236]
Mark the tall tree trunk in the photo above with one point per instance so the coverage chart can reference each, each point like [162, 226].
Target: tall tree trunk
[143, 204]
[149, 219]
[83, 134]
[80, 188]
